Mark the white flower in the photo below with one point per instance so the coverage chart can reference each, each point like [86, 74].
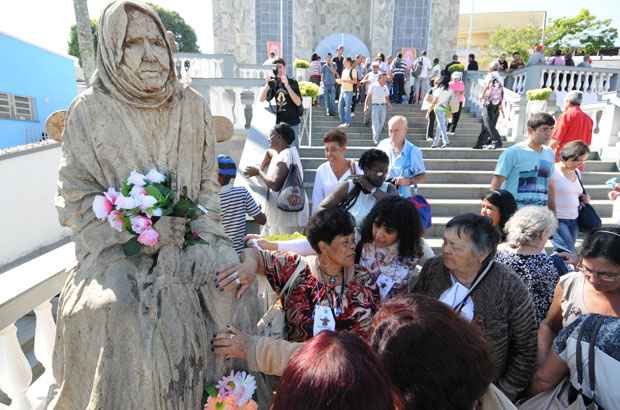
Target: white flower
[156, 212]
[125, 202]
[136, 192]
[245, 386]
[136, 178]
[155, 177]
[146, 202]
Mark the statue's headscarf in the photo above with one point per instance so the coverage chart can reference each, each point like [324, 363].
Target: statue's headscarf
[117, 79]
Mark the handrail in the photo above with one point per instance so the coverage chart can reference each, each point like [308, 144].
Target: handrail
[34, 282]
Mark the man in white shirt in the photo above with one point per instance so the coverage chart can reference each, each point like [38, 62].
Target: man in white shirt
[379, 96]
[422, 66]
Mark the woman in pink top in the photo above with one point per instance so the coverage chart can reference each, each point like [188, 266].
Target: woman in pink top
[315, 69]
[458, 88]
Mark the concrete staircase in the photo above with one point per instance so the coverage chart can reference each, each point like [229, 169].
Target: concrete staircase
[457, 176]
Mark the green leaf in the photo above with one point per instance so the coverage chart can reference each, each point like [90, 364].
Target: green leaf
[126, 188]
[154, 192]
[132, 247]
[212, 391]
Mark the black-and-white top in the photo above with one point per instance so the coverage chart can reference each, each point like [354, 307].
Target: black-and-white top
[539, 275]
[235, 202]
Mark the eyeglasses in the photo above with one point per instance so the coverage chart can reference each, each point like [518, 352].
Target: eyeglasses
[604, 276]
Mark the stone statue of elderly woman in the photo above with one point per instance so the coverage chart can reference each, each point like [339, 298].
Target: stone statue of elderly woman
[134, 331]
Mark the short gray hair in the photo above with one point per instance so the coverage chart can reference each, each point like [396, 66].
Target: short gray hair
[574, 97]
[479, 232]
[396, 118]
[528, 224]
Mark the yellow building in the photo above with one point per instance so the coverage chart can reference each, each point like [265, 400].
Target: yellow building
[483, 25]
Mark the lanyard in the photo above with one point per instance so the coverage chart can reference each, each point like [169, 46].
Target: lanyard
[339, 296]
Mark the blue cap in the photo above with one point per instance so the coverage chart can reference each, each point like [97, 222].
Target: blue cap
[227, 166]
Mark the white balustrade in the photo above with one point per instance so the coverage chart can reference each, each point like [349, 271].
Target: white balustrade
[25, 288]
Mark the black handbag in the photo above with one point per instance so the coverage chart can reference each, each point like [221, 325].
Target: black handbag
[588, 219]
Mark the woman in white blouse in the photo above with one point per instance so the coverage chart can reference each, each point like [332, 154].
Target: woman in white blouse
[335, 170]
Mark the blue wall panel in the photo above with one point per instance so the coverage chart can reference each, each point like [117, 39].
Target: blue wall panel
[29, 71]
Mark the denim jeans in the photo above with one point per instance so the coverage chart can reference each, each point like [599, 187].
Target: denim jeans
[379, 112]
[344, 106]
[399, 88]
[329, 95]
[442, 127]
[566, 235]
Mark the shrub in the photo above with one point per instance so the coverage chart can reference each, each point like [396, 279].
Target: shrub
[300, 63]
[540, 94]
[308, 89]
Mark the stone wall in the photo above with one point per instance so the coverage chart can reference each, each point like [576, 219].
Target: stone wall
[234, 29]
[314, 21]
[381, 25]
[443, 29]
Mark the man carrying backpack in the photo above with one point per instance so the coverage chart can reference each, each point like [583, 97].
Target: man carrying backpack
[421, 72]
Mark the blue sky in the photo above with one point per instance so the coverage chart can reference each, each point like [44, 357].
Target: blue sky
[47, 22]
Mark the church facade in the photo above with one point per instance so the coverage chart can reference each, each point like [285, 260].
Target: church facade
[249, 28]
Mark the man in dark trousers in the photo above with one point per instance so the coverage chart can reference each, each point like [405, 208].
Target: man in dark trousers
[339, 61]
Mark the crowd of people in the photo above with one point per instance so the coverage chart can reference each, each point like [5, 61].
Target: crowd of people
[364, 272]
[488, 324]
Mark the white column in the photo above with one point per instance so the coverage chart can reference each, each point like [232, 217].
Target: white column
[45, 335]
[15, 373]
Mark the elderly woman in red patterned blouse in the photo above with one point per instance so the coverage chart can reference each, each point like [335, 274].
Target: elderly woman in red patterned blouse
[325, 292]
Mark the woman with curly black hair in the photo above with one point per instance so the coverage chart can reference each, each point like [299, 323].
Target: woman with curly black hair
[391, 245]
[359, 194]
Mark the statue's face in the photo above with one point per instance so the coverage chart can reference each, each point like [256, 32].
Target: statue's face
[145, 52]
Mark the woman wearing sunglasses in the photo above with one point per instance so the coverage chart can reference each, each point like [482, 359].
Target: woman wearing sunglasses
[594, 288]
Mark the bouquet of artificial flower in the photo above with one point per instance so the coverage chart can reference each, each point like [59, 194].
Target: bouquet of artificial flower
[139, 204]
[232, 392]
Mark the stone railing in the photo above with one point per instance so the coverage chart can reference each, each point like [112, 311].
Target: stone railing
[27, 288]
[595, 83]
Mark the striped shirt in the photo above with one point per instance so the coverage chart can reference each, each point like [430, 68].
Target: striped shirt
[235, 202]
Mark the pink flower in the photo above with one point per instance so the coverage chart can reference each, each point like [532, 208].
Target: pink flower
[116, 219]
[137, 191]
[140, 223]
[149, 237]
[103, 204]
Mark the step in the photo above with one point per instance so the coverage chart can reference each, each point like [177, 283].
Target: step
[439, 224]
[453, 153]
[452, 207]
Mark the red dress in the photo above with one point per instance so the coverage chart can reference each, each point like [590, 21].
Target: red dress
[358, 303]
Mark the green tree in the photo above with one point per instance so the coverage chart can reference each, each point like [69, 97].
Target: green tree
[184, 34]
[510, 40]
[74, 48]
[583, 31]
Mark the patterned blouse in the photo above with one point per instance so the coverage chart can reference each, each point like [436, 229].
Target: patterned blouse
[386, 261]
[539, 275]
[358, 302]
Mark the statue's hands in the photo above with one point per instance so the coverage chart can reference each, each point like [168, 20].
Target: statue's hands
[238, 277]
[232, 344]
[171, 231]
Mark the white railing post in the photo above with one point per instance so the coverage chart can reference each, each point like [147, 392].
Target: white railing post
[15, 373]
[45, 337]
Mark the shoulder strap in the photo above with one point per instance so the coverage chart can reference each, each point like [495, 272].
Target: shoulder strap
[592, 353]
[288, 285]
[474, 285]
[580, 183]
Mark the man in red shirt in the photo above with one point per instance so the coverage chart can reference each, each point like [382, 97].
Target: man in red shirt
[573, 125]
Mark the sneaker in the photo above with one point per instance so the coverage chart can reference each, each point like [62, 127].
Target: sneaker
[490, 146]
[445, 145]
[343, 125]
[434, 146]
[450, 133]
[352, 114]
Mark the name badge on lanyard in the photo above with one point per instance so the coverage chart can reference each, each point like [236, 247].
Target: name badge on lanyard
[323, 319]
[385, 284]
